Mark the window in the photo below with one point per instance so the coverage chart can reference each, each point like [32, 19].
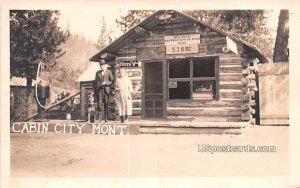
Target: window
[183, 71]
[193, 78]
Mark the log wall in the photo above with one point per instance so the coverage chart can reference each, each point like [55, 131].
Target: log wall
[232, 94]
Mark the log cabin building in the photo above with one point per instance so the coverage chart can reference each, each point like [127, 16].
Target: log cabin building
[188, 69]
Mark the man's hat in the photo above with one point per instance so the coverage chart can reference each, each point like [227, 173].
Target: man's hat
[108, 59]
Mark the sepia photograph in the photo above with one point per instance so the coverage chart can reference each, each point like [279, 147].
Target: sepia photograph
[127, 95]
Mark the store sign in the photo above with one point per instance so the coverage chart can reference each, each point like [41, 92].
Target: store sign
[172, 84]
[182, 49]
[182, 44]
[182, 39]
[134, 63]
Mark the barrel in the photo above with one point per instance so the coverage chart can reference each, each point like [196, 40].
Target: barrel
[43, 89]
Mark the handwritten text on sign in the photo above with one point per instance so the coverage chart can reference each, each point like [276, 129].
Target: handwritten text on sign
[182, 44]
[130, 63]
[182, 39]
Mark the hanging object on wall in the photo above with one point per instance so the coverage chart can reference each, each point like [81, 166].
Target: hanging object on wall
[231, 45]
[225, 49]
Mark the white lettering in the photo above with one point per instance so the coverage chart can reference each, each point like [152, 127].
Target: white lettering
[13, 128]
[102, 131]
[80, 127]
[71, 127]
[64, 125]
[25, 127]
[121, 129]
[45, 128]
[55, 128]
[112, 130]
[96, 128]
[32, 128]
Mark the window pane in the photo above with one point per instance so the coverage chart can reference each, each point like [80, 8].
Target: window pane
[204, 68]
[179, 68]
[182, 91]
[153, 77]
[204, 90]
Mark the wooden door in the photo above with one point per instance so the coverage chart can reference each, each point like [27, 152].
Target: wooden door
[153, 95]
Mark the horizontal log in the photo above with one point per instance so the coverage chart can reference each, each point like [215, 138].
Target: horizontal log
[245, 71]
[230, 61]
[203, 103]
[251, 77]
[252, 111]
[245, 81]
[245, 90]
[136, 96]
[245, 107]
[230, 85]
[212, 112]
[252, 121]
[246, 117]
[252, 86]
[251, 68]
[230, 76]
[230, 69]
[214, 40]
[230, 94]
[174, 25]
[245, 63]
[252, 102]
[246, 97]
[206, 118]
[251, 93]
[136, 103]
[211, 34]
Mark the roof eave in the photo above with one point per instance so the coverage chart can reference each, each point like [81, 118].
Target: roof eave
[96, 57]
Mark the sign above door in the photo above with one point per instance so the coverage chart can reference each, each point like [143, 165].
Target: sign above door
[182, 44]
[182, 39]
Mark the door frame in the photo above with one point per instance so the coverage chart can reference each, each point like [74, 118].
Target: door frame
[164, 86]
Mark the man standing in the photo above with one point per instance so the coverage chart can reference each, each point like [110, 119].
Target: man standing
[103, 82]
[98, 90]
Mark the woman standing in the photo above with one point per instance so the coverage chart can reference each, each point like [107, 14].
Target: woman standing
[123, 94]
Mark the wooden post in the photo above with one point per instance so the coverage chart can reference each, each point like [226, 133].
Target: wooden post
[83, 103]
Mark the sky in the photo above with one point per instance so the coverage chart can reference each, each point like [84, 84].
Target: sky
[87, 21]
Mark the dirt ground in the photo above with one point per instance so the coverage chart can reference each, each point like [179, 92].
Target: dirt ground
[88, 155]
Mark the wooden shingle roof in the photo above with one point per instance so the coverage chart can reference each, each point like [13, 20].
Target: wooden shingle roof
[153, 20]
